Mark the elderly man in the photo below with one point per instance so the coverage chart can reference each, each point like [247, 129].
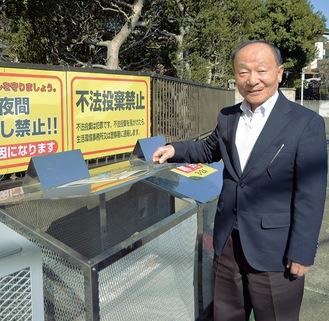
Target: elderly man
[274, 185]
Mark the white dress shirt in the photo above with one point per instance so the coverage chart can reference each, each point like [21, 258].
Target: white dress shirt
[250, 126]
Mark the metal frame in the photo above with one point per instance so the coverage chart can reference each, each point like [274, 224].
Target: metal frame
[26, 259]
[91, 267]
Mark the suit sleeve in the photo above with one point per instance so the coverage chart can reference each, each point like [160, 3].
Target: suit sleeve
[309, 192]
[203, 151]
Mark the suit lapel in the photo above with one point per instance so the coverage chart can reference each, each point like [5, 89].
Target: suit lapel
[273, 127]
[232, 126]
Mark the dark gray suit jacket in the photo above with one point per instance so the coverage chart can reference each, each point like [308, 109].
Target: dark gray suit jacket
[278, 200]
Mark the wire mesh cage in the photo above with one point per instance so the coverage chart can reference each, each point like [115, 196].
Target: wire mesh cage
[21, 291]
[125, 254]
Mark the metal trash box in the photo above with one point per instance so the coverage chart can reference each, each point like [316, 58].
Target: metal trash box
[21, 290]
[124, 252]
[133, 250]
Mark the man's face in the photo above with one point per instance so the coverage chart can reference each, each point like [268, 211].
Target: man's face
[257, 74]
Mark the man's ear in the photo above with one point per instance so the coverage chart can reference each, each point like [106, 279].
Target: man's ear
[280, 73]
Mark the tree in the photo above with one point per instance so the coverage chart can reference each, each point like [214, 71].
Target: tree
[219, 26]
[182, 38]
[293, 27]
[222, 24]
[129, 22]
[324, 74]
[70, 32]
[3, 26]
[160, 36]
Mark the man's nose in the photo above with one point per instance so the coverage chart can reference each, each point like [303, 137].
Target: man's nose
[253, 79]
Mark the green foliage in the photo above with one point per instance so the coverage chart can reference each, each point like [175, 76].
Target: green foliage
[220, 25]
[294, 28]
[199, 69]
[183, 38]
[324, 72]
[298, 83]
[52, 32]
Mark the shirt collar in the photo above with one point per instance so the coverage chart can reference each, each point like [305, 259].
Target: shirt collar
[264, 109]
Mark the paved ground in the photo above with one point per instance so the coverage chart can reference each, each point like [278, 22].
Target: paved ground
[316, 297]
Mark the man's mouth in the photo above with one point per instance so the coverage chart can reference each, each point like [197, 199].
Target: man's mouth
[254, 91]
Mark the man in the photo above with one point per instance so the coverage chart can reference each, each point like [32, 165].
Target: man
[274, 184]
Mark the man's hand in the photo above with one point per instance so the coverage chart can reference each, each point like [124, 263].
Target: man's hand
[163, 153]
[297, 269]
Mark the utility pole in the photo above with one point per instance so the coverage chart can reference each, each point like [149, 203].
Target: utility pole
[302, 88]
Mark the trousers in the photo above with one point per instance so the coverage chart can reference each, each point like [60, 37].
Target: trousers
[238, 289]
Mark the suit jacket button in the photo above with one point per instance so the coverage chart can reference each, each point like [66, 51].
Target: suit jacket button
[241, 185]
[234, 211]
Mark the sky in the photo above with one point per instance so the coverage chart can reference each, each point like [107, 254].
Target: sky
[321, 5]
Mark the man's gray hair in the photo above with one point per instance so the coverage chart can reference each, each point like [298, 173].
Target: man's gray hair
[276, 51]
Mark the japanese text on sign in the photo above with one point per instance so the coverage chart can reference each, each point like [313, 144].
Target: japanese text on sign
[26, 87]
[32, 116]
[28, 149]
[109, 112]
[104, 101]
[23, 126]
[194, 171]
